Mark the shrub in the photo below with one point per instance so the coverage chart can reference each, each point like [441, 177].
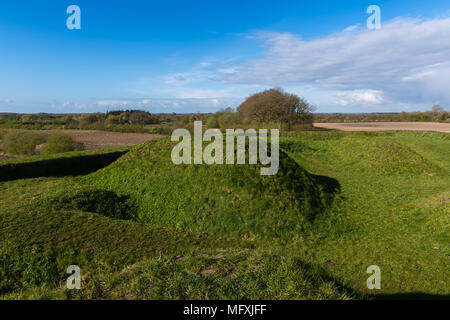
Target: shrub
[212, 123]
[443, 116]
[22, 142]
[61, 143]
[228, 120]
[26, 118]
[88, 118]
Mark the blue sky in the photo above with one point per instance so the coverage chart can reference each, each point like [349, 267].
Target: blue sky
[188, 56]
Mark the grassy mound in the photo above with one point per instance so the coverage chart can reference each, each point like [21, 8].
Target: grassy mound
[382, 156]
[223, 199]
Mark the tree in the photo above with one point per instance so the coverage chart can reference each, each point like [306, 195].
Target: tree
[88, 118]
[437, 109]
[212, 123]
[26, 118]
[124, 117]
[226, 110]
[113, 119]
[442, 116]
[275, 105]
[140, 117]
[228, 120]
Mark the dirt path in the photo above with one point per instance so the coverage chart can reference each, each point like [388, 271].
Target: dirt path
[381, 126]
[103, 139]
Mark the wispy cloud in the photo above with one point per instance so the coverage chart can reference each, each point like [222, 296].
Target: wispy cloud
[351, 28]
[408, 60]
[170, 105]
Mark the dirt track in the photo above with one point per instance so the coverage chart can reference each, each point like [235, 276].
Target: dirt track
[102, 139]
[382, 126]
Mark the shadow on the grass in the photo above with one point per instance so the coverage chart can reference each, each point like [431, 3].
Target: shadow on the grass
[71, 166]
[330, 187]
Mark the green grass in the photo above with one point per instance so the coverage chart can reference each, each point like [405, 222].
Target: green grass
[230, 233]
[221, 199]
[390, 216]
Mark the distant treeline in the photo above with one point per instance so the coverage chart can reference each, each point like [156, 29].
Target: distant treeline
[272, 108]
[119, 121]
[437, 114]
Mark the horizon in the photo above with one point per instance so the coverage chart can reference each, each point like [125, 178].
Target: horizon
[183, 57]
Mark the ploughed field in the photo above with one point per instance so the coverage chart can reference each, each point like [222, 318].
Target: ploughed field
[93, 139]
[140, 227]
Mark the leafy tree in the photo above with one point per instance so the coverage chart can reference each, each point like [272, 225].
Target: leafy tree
[212, 123]
[141, 117]
[88, 118]
[113, 119]
[228, 120]
[124, 117]
[26, 118]
[275, 105]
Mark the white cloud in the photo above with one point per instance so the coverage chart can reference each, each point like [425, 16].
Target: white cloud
[351, 28]
[359, 97]
[407, 60]
[115, 103]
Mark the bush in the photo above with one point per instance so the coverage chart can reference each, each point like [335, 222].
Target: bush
[443, 116]
[228, 120]
[212, 123]
[88, 118]
[22, 142]
[61, 143]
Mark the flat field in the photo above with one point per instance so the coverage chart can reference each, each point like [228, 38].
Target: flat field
[382, 126]
[93, 139]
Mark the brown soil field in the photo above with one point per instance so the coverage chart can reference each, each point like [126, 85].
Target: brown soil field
[92, 139]
[382, 126]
